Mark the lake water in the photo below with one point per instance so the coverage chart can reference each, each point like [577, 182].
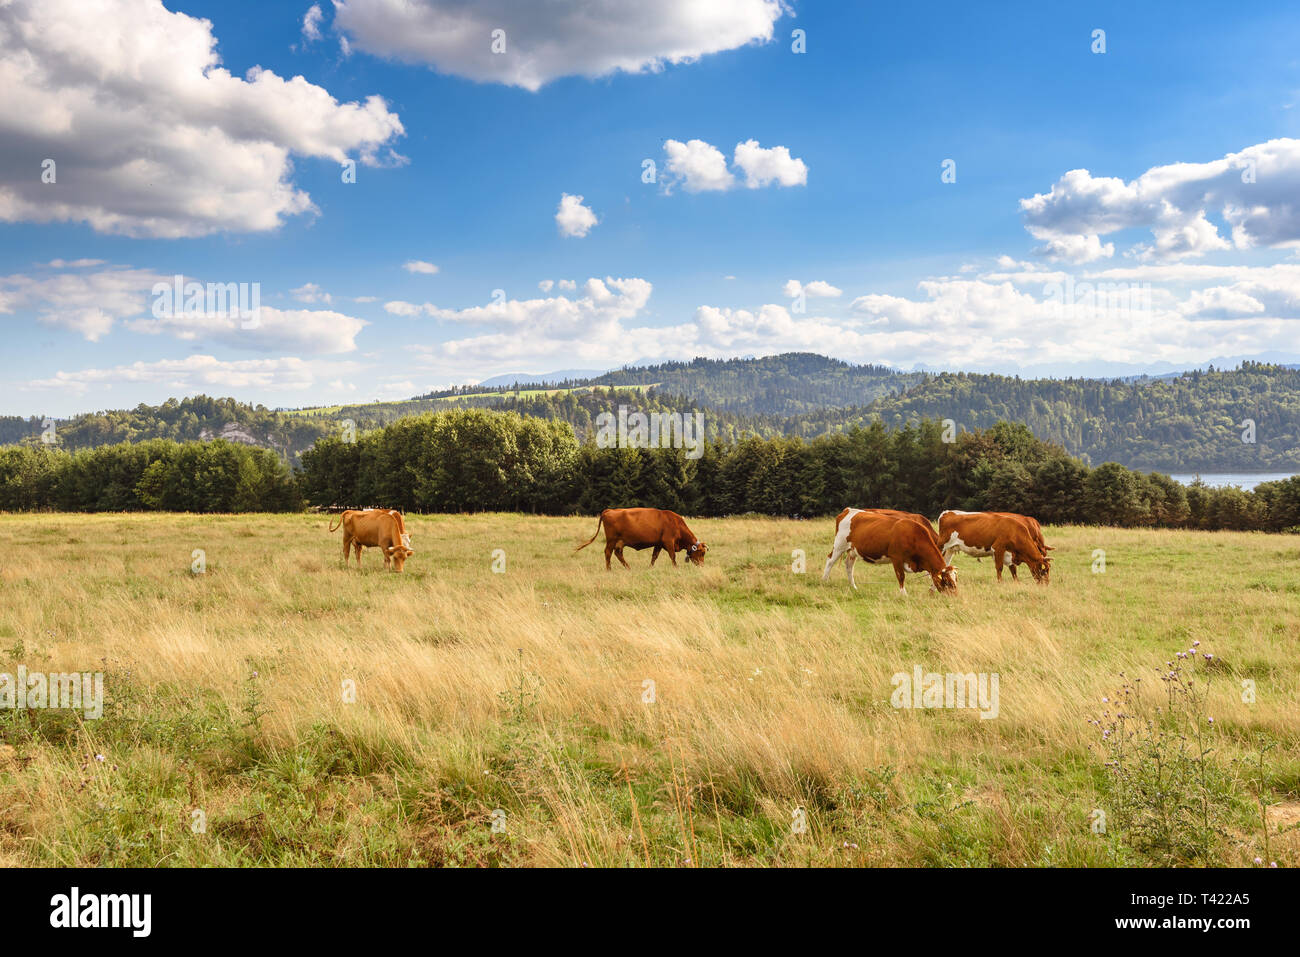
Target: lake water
[1246, 480]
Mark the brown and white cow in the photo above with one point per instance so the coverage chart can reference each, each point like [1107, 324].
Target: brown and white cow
[639, 528]
[892, 513]
[375, 528]
[842, 541]
[900, 540]
[1008, 538]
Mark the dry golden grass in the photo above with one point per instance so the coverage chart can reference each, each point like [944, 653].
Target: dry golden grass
[523, 691]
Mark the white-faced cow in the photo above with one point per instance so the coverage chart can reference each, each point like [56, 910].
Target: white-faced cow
[1008, 538]
[640, 528]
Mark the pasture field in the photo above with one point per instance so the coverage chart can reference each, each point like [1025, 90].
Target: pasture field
[518, 699]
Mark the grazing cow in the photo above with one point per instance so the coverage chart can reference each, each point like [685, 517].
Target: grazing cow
[401, 526]
[890, 512]
[901, 541]
[640, 528]
[375, 528]
[842, 541]
[1007, 537]
[1035, 530]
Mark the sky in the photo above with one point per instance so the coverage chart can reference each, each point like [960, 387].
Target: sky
[417, 193]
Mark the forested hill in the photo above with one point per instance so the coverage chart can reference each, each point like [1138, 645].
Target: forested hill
[1195, 421]
[1190, 422]
[789, 384]
[196, 418]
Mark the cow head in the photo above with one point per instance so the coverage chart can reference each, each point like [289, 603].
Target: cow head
[695, 552]
[945, 580]
[1041, 569]
[399, 555]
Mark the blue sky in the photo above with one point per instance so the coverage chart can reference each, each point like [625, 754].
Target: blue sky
[834, 232]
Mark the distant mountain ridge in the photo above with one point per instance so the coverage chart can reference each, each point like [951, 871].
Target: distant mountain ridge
[545, 378]
[1192, 421]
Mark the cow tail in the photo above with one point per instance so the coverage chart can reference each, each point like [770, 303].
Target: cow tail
[335, 528]
[600, 520]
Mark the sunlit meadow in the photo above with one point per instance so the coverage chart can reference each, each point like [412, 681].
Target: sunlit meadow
[275, 708]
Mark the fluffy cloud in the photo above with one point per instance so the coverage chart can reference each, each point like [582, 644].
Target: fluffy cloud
[1112, 315]
[572, 218]
[765, 166]
[149, 134]
[86, 303]
[1252, 191]
[544, 41]
[699, 167]
[1075, 249]
[817, 289]
[420, 267]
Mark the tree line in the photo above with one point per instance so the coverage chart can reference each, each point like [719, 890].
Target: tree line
[470, 460]
[156, 475]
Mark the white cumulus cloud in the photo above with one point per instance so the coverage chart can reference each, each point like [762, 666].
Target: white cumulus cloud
[541, 41]
[572, 218]
[817, 289]
[700, 167]
[150, 135]
[1252, 192]
[762, 167]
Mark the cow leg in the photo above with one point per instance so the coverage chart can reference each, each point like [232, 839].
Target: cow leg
[831, 559]
[357, 546]
[672, 554]
[609, 550]
[654, 556]
[997, 558]
[830, 563]
[1014, 576]
[902, 576]
[849, 559]
[347, 548]
[622, 561]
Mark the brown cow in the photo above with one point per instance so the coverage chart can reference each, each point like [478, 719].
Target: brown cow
[1035, 530]
[375, 528]
[641, 528]
[1006, 537]
[902, 541]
